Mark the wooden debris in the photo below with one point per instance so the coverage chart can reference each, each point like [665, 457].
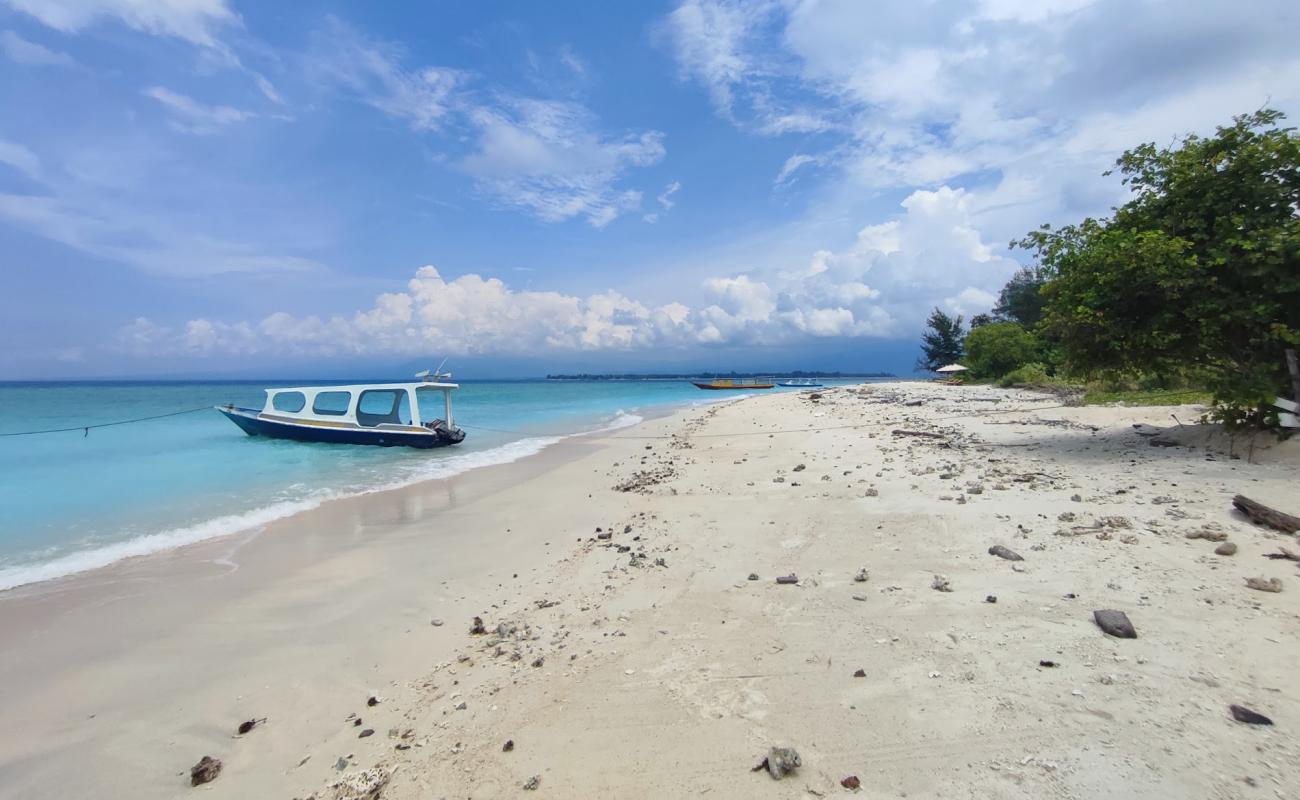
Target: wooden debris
[1261, 514]
[923, 434]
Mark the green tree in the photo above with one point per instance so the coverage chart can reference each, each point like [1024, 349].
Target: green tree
[1021, 300]
[941, 344]
[1200, 270]
[997, 348]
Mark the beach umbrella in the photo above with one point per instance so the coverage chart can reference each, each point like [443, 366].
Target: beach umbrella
[951, 368]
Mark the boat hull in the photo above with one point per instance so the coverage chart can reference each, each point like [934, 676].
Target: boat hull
[746, 387]
[251, 423]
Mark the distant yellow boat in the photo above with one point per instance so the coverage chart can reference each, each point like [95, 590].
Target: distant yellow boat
[729, 383]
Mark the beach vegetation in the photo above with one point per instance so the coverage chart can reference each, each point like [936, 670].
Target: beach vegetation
[1199, 272]
[995, 349]
[942, 341]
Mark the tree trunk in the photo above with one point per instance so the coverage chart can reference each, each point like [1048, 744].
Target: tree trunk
[1263, 515]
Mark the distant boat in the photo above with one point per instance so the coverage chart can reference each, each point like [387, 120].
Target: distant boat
[800, 383]
[732, 384]
[382, 414]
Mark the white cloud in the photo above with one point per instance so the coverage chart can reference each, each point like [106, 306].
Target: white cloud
[147, 242]
[194, 21]
[21, 51]
[373, 70]
[666, 199]
[20, 158]
[881, 285]
[1041, 92]
[546, 158]
[191, 116]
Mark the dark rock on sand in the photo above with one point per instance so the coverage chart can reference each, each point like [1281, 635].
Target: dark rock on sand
[780, 761]
[991, 598]
[1243, 714]
[532, 783]
[477, 627]
[1116, 623]
[753, 576]
[205, 771]
[862, 673]
[508, 746]
[851, 782]
[366, 733]
[791, 578]
[1005, 552]
[372, 701]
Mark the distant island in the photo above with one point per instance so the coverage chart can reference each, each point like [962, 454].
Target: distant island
[632, 376]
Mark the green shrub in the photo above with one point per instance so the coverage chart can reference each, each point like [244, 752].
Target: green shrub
[1034, 374]
[995, 349]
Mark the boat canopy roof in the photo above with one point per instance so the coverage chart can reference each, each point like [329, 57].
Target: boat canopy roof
[361, 387]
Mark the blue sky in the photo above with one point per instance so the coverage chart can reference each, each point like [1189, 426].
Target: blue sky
[215, 187]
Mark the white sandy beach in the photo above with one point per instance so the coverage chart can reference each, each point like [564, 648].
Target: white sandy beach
[648, 664]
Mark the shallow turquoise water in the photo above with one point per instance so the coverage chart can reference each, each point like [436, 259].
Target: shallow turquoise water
[70, 502]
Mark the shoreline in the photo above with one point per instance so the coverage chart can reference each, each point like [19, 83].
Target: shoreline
[645, 641]
[253, 521]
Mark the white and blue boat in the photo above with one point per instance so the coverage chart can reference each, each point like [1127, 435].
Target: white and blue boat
[800, 383]
[382, 414]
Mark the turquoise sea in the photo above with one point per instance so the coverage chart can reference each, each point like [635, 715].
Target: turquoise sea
[71, 502]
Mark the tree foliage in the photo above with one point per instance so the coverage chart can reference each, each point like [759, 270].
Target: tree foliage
[1199, 270]
[997, 348]
[941, 344]
[1021, 300]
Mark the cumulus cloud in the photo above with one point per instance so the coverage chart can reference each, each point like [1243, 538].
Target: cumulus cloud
[881, 285]
[194, 21]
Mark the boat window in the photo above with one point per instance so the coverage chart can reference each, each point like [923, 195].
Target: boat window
[333, 403]
[379, 406]
[432, 405]
[292, 402]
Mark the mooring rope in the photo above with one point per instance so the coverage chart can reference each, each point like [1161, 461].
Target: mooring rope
[86, 428]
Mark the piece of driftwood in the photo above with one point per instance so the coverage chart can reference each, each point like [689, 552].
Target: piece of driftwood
[1261, 514]
[925, 434]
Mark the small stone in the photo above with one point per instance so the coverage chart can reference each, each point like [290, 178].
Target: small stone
[461, 706]
[860, 597]
[780, 761]
[753, 576]
[341, 764]
[1046, 663]
[1076, 498]
[508, 746]
[205, 771]
[605, 535]
[1226, 549]
[861, 575]
[477, 627]
[787, 579]
[1264, 584]
[941, 584]
[1243, 714]
[1115, 623]
[991, 598]
[1005, 552]
[537, 662]
[245, 727]
[532, 783]
[799, 468]
[1208, 534]
[851, 782]
[372, 701]
[368, 732]
[435, 622]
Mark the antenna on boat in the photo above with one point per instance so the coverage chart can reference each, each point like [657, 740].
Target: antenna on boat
[437, 374]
